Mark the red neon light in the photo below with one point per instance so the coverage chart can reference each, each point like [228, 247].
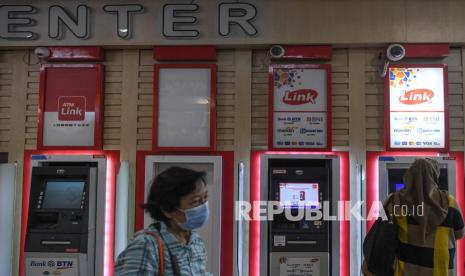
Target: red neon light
[254, 234]
[344, 225]
[112, 159]
[460, 196]
[254, 225]
[109, 244]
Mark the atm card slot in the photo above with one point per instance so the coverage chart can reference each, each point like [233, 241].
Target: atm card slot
[302, 242]
[55, 242]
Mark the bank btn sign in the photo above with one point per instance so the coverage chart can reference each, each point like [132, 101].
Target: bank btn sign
[52, 266]
[417, 113]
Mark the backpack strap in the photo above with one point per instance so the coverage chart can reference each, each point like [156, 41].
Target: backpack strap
[173, 259]
[161, 254]
[392, 200]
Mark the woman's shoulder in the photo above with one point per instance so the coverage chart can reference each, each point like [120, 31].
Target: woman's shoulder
[141, 254]
[146, 235]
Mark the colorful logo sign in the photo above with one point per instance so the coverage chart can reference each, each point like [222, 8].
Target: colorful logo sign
[402, 76]
[301, 96]
[71, 108]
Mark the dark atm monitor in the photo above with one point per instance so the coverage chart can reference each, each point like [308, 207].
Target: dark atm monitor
[396, 179]
[63, 194]
[295, 195]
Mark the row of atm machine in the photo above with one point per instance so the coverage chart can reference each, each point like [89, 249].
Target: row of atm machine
[69, 204]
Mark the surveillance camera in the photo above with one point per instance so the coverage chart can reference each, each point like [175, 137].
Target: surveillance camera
[42, 52]
[277, 51]
[395, 52]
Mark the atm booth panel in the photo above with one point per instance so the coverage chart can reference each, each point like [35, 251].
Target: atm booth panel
[296, 179]
[391, 170]
[212, 165]
[66, 202]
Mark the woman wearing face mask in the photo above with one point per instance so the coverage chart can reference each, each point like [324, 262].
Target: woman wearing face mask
[177, 202]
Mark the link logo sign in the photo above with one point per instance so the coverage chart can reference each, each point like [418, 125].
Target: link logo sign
[70, 98]
[417, 107]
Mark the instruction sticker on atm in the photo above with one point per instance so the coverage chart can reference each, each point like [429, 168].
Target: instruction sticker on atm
[299, 266]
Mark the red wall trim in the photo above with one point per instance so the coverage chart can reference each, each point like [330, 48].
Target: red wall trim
[321, 52]
[76, 54]
[167, 53]
[437, 50]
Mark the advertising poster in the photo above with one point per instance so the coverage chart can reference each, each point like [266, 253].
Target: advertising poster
[300, 107]
[184, 113]
[70, 100]
[417, 114]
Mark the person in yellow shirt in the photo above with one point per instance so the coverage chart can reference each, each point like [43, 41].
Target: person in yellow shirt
[427, 239]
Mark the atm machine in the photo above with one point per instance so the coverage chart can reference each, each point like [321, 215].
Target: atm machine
[65, 223]
[393, 168]
[303, 247]
[217, 234]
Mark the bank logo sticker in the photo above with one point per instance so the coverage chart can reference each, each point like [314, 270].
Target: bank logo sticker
[301, 96]
[71, 108]
[416, 96]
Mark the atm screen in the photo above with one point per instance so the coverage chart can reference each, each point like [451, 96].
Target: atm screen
[63, 194]
[400, 186]
[293, 195]
[396, 181]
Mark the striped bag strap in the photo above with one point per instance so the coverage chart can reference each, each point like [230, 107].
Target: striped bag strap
[161, 264]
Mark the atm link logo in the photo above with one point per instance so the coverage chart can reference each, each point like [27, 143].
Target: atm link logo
[71, 108]
[301, 96]
[416, 96]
